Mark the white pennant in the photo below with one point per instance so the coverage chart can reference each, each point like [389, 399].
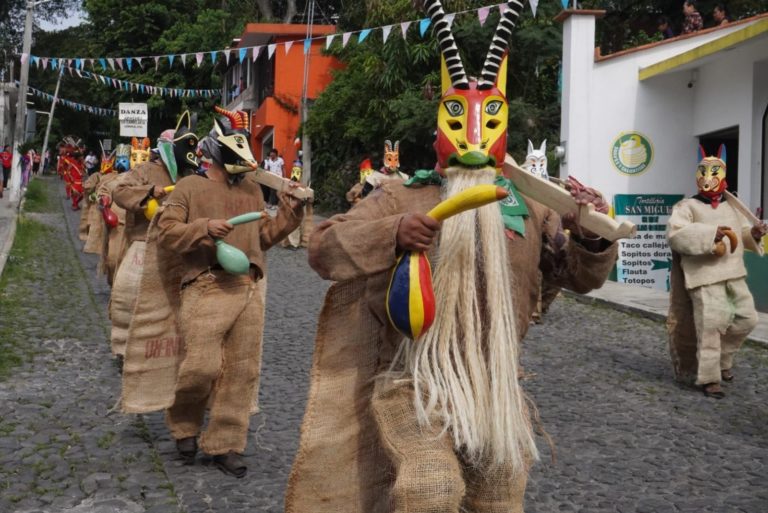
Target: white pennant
[256, 51]
[111, 62]
[288, 45]
[184, 59]
[345, 38]
[271, 50]
[449, 18]
[226, 57]
[534, 6]
[404, 28]
[385, 32]
[329, 41]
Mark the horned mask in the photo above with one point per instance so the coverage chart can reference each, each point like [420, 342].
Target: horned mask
[233, 142]
[122, 158]
[473, 113]
[536, 160]
[391, 157]
[139, 151]
[710, 174]
[178, 147]
[107, 160]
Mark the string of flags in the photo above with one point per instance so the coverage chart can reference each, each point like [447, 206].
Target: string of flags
[81, 107]
[252, 52]
[131, 87]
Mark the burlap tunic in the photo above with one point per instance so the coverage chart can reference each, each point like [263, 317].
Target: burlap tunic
[711, 309]
[341, 465]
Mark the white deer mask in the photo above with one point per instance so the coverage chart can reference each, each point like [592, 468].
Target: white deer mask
[536, 160]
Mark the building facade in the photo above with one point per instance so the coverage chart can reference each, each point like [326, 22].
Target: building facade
[632, 123]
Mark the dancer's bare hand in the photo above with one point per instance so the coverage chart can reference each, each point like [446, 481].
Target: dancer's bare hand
[158, 192]
[416, 232]
[219, 228]
[759, 231]
[720, 233]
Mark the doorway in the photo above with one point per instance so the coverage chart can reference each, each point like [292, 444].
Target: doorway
[764, 174]
[730, 138]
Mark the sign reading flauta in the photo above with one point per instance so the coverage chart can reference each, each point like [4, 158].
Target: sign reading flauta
[134, 118]
[631, 153]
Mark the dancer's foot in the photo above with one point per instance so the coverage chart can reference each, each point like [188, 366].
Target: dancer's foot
[231, 463]
[187, 448]
[726, 375]
[713, 390]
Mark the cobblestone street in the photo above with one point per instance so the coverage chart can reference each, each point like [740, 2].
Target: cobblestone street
[627, 438]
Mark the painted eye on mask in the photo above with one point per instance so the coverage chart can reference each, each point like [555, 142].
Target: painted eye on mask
[715, 169]
[454, 108]
[702, 170]
[493, 107]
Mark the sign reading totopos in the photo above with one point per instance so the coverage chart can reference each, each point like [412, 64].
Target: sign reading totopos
[631, 153]
[134, 118]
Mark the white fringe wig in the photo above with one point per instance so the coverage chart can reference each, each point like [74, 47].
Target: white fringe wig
[464, 369]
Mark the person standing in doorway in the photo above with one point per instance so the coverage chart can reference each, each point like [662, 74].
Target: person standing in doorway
[275, 165]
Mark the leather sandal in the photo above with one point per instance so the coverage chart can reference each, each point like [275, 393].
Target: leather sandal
[713, 390]
[187, 448]
[231, 463]
[726, 375]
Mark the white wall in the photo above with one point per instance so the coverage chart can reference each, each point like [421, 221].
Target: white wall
[611, 99]
[760, 102]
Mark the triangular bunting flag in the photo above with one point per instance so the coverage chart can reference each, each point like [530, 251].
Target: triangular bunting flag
[423, 26]
[199, 58]
[138, 61]
[255, 53]
[45, 62]
[271, 50]
[287, 46]
[385, 32]
[157, 61]
[345, 38]
[170, 60]
[363, 34]
[184, 60]
[119, 62]
[213, 57]
[129, 63]
[565, 3]
[329, 41]
[242, 53]
[404, 28]
[307, 46]
[449, 18]
[111, 62]
[482, 14]
[103, 63]
[226, 57]
[534, 6]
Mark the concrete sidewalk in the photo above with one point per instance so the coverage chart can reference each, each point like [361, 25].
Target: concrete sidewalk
[652, 304]
[9, 213]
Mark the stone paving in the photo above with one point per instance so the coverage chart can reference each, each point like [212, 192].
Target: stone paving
[627, 438]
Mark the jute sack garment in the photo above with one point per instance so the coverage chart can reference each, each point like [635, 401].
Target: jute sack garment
[431, 477]
[680, 326]
[88, 187]
[113, 241]
[124, 291]
[94, 242]
[154, 346]
[221, 319]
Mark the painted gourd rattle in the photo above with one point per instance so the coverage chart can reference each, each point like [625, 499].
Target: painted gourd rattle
[231, 259]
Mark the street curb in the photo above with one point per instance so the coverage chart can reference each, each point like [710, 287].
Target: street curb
[621, 307]
[5, 252]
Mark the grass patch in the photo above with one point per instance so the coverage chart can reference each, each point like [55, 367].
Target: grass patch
[37, 198]
[105, 441]
[15, 285]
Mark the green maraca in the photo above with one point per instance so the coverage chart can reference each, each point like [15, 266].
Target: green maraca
[231, 259]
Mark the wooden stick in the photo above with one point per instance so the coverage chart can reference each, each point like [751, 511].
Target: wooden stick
[742, 208]
[561, 201]
[281, 184]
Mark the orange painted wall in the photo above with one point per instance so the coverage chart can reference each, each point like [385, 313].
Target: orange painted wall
[289, 76]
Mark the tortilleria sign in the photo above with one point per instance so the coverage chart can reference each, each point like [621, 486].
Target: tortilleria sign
[134, 118]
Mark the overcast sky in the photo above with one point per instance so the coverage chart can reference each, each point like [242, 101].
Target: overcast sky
[72, 19]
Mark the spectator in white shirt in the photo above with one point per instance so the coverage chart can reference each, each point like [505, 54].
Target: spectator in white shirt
[275, 165]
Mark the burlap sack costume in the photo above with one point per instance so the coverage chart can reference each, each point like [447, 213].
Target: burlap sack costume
[711, 310]
[352, 423]
[131, 193]
[89, 186]
[112, 238]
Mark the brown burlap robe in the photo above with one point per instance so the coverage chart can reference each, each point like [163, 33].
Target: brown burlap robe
[681, 327]
[94, 243]
[220, 320]
[154, 346]
[299, 238]
[113, 245]
[355, 342]
[82, 229]
[123, 298]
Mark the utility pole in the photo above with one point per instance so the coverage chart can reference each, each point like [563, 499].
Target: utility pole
[43, 158]
[18, 134]
[306, 146]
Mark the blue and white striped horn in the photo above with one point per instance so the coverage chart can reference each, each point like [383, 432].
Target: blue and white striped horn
[447, 44]
[499, 44]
